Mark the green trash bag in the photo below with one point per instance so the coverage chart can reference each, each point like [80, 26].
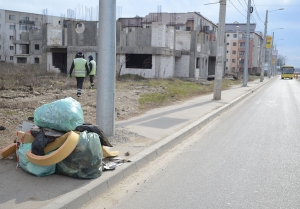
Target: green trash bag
[31, 167]
[85, 162]
[61, 115]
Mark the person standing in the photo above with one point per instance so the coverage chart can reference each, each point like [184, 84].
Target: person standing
[92, 66]
[81, 69]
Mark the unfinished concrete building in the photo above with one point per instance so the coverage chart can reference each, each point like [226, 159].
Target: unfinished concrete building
[163, 45]
[61, 43]
[21, 36]
[27, 38]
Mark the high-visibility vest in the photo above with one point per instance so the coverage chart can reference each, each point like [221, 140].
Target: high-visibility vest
[93, 70]
[79, 67]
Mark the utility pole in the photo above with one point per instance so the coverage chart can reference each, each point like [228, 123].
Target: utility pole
[270, 59]
[106, 72]
[220, 52]
[246, 59]
[263, 53]
[272, 55]
[275, 63]
[238, 52]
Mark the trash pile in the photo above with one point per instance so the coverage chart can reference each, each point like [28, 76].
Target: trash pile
[58, 141]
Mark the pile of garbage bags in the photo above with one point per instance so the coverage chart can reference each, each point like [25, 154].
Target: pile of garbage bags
[60, 142]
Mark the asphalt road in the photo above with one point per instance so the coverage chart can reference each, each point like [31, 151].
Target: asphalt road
[247, 158]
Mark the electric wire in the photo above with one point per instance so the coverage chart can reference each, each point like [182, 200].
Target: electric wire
[257, 11]
[252, 16]
[237, 9]
[242, 6]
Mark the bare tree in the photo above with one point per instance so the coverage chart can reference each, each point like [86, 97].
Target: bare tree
[281, 60]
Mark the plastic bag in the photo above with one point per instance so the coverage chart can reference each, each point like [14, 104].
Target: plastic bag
[95, 129]
[39, 143]
[62, 115]
[85, 162]
[31, 167]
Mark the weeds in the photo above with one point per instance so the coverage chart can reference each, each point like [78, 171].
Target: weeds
[20, 77]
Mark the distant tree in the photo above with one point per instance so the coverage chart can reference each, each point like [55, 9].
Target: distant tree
[281, 60]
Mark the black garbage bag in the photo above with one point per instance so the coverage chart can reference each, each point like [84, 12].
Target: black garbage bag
[39, 143]
[95, 129]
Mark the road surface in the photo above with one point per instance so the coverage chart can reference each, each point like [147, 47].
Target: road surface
[247, 158]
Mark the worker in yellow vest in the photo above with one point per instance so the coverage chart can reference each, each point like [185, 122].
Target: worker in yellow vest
[92, 66]
[81, 69]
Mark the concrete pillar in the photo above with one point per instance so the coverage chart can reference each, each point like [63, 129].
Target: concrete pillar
[193, 51]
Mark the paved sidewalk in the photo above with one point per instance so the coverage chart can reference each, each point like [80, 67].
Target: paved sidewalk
[162, 128]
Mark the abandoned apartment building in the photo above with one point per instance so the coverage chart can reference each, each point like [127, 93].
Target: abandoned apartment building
[163, 45]
[159, 45]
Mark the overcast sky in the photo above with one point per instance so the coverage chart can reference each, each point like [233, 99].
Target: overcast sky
[288, 19]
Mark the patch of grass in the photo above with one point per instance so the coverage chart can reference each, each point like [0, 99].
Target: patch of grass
[17, 77]
[11, 112]
[227, 84]
[173, 90]
[131, 77]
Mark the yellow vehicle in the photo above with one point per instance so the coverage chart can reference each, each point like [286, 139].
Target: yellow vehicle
[287, 72]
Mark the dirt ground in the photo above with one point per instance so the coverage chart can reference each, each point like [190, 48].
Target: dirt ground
[17, 105]
[19, 98]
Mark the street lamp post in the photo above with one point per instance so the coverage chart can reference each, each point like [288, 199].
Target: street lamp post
[220, 52]
[106, 73]
[263, 54]
[262, 50]
[246, 59]
[238, 53]
[276, 55]
[270, 64]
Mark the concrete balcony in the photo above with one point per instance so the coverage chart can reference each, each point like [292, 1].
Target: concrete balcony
[20, 42]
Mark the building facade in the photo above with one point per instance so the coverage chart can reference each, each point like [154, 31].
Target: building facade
[236, 47]
[162, 45]
[21, 36]
[159, 45]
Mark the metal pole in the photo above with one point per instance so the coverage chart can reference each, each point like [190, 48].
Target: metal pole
[273, 56]
[238, 52]
[270, 58]
[220, 51]
[106, 73]
[263, 51]
[246, 59]
[275, 65]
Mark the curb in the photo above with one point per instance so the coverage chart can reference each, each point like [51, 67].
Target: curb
[82, 195]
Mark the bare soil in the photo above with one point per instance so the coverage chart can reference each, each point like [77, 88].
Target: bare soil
[18, 104]
[19, 98]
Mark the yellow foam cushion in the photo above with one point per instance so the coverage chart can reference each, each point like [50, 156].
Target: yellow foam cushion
[9, 150]
[107, 153]
[58, 155]
[56, 144]
[25, 137]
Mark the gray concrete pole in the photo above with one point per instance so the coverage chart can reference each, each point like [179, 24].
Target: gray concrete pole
[268, 73]
[106, 71]
[246, 59]
[220, 52]
[270, 58]
[275, 64]
[263, 51]
[272, 50]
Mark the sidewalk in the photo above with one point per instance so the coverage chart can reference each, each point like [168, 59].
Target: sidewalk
[160, 129]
